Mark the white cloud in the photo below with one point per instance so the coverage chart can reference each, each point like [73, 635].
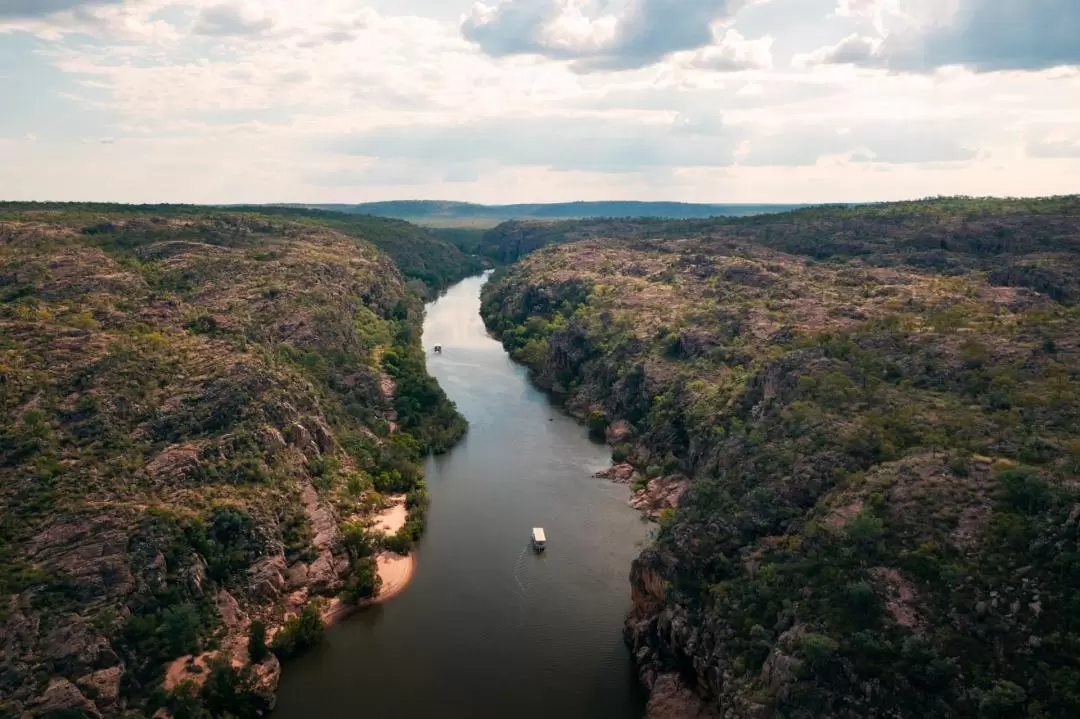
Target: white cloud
[274, 100]
[233, 18]
[852, 50]
[984, 35]
[733, 53]
[640, 34]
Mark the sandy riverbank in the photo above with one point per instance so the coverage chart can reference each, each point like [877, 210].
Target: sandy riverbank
[395, 570]
[392, 519]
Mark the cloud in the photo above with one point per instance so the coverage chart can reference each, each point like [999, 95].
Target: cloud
[734, 53]
[1054, 149]
[606, 145]
[983, 35]
[228, 19]
[642, 34]
[858, 8]
[852, 50]
[26, 9]
[892, 143]
[589, 144]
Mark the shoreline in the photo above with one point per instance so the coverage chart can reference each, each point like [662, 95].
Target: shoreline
[338, 611]
[395, 570]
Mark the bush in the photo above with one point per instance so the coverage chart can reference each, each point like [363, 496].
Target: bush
[299, 634]
[401, 542]
[257, 648]
[597, 422]
[1005, 699]
[1023, 490]
[818, 649]
[364, 582]
[358, 542]
[227, 692]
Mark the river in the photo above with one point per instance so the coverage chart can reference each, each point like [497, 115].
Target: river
[487, 628]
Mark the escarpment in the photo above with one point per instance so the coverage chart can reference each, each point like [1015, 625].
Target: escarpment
[194, 445]
[857, 430]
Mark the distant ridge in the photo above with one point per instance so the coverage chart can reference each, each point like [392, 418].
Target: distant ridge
[463, 213]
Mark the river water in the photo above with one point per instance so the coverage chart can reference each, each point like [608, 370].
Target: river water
[487, 628]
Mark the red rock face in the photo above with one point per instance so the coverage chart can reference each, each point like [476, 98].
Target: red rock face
[672, 699]
[622, 473]
[619, 431]
[660, 494]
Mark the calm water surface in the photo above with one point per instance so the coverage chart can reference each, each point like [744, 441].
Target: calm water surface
[487, 628]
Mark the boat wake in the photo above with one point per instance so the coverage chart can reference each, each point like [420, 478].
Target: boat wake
[519, 565]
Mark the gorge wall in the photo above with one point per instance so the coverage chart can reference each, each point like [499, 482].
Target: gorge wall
[197, 433]
[873, 412]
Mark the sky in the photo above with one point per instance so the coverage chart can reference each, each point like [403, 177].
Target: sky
[214, 101]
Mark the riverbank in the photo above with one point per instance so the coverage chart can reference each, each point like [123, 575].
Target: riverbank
[396, 573]
[395, 570]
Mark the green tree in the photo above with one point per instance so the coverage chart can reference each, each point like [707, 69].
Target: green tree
[257, 648]
[299, 633]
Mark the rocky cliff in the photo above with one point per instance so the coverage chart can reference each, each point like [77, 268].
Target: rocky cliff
[195, 435]
[857, 429]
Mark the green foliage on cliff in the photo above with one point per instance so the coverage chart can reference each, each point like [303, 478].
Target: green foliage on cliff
[299, 633]
[878, 408]
[192, 399]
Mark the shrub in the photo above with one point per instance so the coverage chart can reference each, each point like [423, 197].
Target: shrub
[1005, 699]
[358, 542]
[227, 692]
[597, 423]
[257, 648]
[818, 649]
[1023, 490]
[203, 324]
[364, 582]
[299, 634]
[401, 542]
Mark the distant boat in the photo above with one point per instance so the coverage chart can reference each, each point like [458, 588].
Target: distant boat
[438, 349]
[539, 541]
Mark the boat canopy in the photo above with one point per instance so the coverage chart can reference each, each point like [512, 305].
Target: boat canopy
[538, 535]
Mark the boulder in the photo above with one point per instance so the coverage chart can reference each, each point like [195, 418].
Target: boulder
[619, 431]
[321, 516]
[63, 696]
[194, 576]
[271, 440]
[324, 437]
[670, 698]
[296, 577]
[322, 575]
[229, 610]
[301, 438]
[622, 473]
[266, 675]
[73, 647]
[104, 686]
[660, 494]
[174, 462]
[90, 552]
[267, 578]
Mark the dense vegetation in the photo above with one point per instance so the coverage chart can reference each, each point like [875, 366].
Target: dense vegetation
[466, 214]
[434, 263]
[196, 405]
[874, 414]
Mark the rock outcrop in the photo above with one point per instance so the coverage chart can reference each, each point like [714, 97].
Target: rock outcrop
[861, 445]
[663, 493]
[177, 394]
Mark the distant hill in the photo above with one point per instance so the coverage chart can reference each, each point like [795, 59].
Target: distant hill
[438, 213]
